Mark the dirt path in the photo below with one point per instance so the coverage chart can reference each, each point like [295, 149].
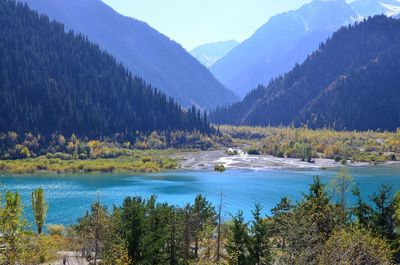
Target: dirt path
[73, 258]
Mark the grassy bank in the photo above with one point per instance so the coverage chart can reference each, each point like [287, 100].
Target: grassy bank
[132, 161]
[303, 143]
[27, 153]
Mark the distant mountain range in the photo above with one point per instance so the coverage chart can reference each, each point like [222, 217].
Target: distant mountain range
[144, 51]
[208, 54]
[287, 39]
[56, 82]
[350, 82]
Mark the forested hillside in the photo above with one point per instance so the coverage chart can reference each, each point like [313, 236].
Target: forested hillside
[143, 50]
[351, 82]
[288, 38]
[52, 81]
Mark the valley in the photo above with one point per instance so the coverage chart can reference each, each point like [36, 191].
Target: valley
[142, 132]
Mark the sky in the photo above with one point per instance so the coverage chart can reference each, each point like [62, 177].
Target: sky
[196, 22]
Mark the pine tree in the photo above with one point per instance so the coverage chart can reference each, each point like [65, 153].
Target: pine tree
[237, 243]
[259, 246]
[203, 213]
[362, 211]
[383, 214]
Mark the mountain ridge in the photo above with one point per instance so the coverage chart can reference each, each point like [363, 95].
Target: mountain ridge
[275, 39]
[209, 53]
[271, 51]
[299, 96]
[146, 52]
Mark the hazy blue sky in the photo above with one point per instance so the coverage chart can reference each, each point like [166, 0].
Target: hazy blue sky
[195, 22]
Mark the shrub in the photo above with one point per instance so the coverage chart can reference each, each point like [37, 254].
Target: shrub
[253, 151]
[62, 156]
[146, 159]
[231, 152]
[219, 168]
[55, 229]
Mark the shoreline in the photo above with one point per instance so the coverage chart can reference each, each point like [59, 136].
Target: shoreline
[206, 160]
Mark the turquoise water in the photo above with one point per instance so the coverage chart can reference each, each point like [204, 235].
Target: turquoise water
[69, 196]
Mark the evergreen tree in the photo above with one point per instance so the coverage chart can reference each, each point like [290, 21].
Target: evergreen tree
[281, 215]
[259, 246]
[158, 232]
[362, 211]
[237, 241]
[133, 227]
[383, 214]
[203, 214]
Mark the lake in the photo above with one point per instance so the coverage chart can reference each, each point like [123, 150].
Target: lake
[69, 196]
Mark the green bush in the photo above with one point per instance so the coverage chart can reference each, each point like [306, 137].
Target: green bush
[219, 168]
[146, 159]
[253, 151]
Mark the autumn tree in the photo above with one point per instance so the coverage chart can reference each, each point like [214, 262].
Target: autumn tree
[12, 223]
[93, 229]
[310, 225]
[340, 186]
[355, 246]
[39, 207]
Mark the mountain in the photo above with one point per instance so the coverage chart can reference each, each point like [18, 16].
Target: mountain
[288, 38]
[276, 46]
[208, 54]
[351, 82]
[144, 51]
[366, 8]
[52, 81]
